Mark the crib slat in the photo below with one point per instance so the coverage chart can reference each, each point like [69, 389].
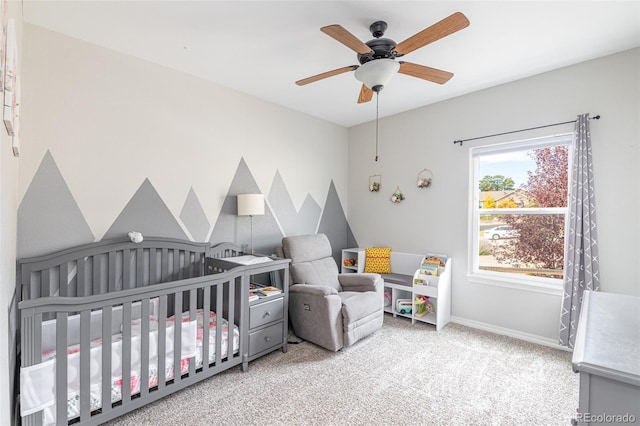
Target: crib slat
[112, 272]
[153, 266]
[63, 279]
[106, 359]
[164, 265]
[200, 264]
[45, 283]
[184, 265]
[206, 309]
[140, 265]
[34, 285]
[126, 352]
[231, 314]
[80, 277]
[96, 274]
[219, 299]
[177, 338]
[162, 342]
[31, 332]
[144, 348]
[85, 367]
[190, 265]
[177, 270]
[126, 269]
[192, 317]
[61, 368]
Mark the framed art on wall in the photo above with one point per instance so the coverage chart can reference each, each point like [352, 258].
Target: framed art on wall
[3, 37]
[10, 80]
[15, 142]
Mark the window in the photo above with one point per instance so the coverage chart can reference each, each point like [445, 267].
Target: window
[519, 211]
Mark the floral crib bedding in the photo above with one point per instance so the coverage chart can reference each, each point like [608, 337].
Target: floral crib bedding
[38, 381]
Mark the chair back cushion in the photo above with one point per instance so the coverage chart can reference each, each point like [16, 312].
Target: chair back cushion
[311, 260]
[304, 248]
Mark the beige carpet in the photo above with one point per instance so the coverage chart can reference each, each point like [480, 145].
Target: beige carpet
[404, 374]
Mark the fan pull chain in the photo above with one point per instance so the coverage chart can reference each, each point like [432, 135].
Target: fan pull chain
[377, 104]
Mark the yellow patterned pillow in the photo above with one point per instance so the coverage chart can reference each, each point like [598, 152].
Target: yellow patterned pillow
[378, 260]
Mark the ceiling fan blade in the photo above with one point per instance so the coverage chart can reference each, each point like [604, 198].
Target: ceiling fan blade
[426, 73]
[325, 75]
[366, 95]
[443, 28]
[346, 38]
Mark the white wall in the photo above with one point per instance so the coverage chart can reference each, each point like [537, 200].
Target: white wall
[8, 207]
[436, 219]
[111, 120]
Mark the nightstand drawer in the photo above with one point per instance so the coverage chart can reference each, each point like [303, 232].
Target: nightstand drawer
[265, 339]
[266, 312]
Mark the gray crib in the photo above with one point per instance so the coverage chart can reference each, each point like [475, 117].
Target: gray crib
[111, 326]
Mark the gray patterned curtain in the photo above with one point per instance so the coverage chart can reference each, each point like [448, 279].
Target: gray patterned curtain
[581, 260]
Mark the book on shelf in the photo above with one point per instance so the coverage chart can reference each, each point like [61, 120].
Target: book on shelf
[420, 281]
[430, 268]
[253, 296]
[440, 259]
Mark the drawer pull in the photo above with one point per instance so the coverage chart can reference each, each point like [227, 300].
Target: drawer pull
[267, 339]
[266, 314]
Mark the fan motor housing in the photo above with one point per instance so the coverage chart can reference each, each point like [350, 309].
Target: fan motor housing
[382, 48]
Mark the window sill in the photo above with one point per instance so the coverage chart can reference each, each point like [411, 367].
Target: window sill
[516, 283]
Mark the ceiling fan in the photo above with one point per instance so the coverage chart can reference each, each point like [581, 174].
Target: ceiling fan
[377, 57]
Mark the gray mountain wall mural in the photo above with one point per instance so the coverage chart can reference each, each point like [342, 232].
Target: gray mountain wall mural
[148, 214]
[231, 227]
[292, 222]
[49, 218]
[194, 217]
[334, 224]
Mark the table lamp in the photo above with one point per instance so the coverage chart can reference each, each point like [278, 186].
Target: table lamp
[250, 205]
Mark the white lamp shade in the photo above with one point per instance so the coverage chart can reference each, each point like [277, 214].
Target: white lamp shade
[250, 204]
[377, 72]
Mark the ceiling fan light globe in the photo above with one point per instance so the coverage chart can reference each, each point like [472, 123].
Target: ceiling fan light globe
[377, 72]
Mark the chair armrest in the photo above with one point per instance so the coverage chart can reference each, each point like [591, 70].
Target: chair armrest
[315, 312]
[361, 282]
[312, 290]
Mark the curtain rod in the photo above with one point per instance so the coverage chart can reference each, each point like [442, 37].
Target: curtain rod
[595, 117]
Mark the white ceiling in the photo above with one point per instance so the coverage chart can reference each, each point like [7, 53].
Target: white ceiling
[262, 47]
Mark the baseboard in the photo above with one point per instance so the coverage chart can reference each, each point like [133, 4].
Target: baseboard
[491, 328]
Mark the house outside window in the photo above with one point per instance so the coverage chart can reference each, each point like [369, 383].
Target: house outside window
[519, 209]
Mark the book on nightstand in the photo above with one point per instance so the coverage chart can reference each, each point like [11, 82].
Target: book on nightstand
[268, 291]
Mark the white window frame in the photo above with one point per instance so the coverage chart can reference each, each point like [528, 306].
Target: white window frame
[504, 279]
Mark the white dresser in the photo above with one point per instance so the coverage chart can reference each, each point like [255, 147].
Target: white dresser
[607, 357]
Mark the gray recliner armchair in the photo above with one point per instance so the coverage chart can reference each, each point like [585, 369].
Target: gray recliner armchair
[327, 308]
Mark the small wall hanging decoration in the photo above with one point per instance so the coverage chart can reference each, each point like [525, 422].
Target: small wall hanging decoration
[425, 177]
[375, 181]
[397, 196]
